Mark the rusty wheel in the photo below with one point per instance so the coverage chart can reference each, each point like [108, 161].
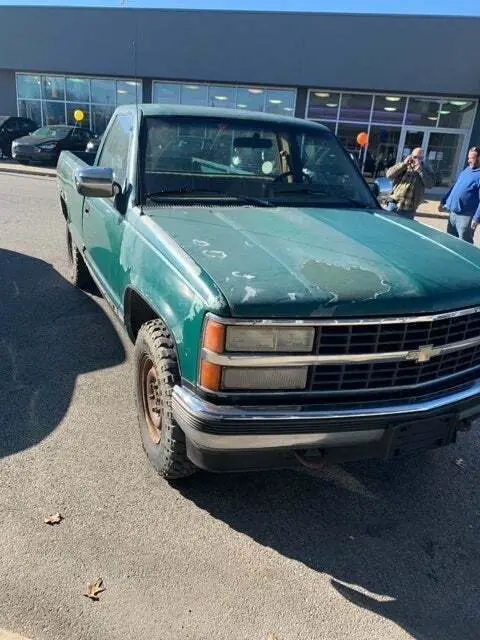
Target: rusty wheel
[156, 374]
[152, 400]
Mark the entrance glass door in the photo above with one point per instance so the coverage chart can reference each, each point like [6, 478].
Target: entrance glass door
[445, 151]
[410, 140]
[446, 154]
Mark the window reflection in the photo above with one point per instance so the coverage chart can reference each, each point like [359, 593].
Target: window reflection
[103, 91]
[128, 92]
[85, 107]
[30, 109]
[423, 111]
[356, 107]
[389, 109]
[251, 98]
[323, 105]
[28, 87]
[221, 96]
[53, 87]
[78, 89]
[382, 149]
[194, 94]
[53, 112]
[457, 114]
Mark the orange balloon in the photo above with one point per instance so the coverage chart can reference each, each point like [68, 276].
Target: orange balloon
[362, 138]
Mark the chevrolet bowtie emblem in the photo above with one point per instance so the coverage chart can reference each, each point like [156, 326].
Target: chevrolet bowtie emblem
[423, 354]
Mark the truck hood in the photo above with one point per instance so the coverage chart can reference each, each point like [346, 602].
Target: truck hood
[319, 262]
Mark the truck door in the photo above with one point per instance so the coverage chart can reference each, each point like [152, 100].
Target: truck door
[104, 219]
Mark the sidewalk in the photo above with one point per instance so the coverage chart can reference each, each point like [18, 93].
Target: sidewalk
[10, 166]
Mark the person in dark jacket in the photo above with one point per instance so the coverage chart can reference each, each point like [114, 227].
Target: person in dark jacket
[410, 179]
[463, 200]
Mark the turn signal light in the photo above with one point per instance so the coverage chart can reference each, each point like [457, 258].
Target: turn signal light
[214, 337]
[210, 375]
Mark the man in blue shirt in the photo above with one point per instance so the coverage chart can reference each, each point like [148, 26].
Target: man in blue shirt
[463, 200]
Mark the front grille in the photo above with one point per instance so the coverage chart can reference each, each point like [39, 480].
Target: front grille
[383, 338]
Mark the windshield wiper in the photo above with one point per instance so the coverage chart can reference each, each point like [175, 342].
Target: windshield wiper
[200, 191]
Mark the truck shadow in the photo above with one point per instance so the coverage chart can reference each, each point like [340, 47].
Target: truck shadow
[399, 540]
[50, 332]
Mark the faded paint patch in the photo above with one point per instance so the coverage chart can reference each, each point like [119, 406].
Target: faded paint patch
[250, 293]
[200, 243]
[218, 255]
[343, 282]
[247, 276]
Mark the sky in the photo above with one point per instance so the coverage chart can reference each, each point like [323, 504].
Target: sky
[424, 7]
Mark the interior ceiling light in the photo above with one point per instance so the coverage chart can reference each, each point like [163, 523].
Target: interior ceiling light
[332, 104]
[131, 83]
[121, 91]
[288, 108]
[256, 91]
[393, 98]
[242, 106]
[458, 103]
[192, 87]
[275, 101]
[389, 108]
[432, 117]
[444, 112]
[319, 94]
[221, 98]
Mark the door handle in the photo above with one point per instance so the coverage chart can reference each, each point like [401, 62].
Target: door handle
[86, 209]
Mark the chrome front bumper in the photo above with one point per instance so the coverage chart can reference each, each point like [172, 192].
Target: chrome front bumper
[253, 428]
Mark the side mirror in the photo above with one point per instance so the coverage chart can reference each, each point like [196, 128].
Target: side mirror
[94, 182]
[375, 189]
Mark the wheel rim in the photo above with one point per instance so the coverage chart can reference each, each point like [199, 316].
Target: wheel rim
[151, 398]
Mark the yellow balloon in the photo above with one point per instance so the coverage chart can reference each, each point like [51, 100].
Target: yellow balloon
[78, 115]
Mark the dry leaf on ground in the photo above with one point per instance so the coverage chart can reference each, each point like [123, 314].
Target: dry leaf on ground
[94, 588]
[56, 518]
[272, 636]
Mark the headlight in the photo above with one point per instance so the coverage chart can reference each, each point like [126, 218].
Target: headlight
[276, 339]
[49, 146]
[222, 340]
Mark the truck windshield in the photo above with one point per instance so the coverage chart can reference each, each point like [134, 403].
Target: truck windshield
[186, 158]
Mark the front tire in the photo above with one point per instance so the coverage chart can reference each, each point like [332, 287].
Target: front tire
[156, 373]
[78, 273]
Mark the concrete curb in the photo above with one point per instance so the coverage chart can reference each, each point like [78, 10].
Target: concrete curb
[28, 171]
[437, 216]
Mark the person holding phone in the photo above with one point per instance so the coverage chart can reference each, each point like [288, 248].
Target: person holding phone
[410, 179]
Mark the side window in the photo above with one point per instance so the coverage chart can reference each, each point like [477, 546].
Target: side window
[115, 149]
[11, 126]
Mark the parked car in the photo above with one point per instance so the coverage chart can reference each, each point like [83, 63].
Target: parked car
[11, 128]
[93, 144]
[45, 144]
[279, 318]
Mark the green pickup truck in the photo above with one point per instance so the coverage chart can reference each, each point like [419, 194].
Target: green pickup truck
[280, 317]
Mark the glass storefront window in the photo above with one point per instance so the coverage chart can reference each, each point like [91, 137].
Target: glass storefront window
[164, 93]
[194, 94]
[389, 109]
[221, 96]
[251, 98]
[128, 92]
[457, 114]
[78, 89]
[53, 88]
[85, 107]
[281, 102]
[101, 115]
[53, 112]
[423, 112]
[355, 107]
[323, 105]
[103, 91]
[31, 109]
[382, 149]
[28, 87]
[443, 156]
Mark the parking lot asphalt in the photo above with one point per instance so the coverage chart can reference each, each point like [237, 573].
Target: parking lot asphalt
[360, 551]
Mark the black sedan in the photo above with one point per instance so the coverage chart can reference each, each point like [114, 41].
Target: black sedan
[11, 128]
[45, 144]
